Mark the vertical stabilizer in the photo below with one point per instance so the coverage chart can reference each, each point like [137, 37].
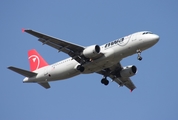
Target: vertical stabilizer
[35, 60]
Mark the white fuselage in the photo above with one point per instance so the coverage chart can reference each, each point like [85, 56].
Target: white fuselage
[113, 52]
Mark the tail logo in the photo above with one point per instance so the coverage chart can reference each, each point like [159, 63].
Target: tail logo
[35, 61]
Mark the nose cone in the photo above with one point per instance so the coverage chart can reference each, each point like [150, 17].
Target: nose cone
[155, 38]
[152, 39]
[149, 40]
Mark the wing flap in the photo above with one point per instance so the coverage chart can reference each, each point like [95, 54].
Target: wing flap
[57, 46]
[125, 81]
[22, 72]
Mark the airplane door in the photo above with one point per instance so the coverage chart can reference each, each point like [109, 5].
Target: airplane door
[123, 41]
[134, 37]
[127, 38]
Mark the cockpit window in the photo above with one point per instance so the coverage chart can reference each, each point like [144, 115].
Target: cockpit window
[122, 39]
[147, 33]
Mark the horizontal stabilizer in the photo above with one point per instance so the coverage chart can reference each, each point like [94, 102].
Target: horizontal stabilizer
[22, 72]
[45, 85]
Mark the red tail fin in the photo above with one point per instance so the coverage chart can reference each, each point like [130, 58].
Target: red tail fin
[35, 59]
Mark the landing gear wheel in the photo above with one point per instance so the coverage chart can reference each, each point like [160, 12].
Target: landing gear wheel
[80, 68]
[139, 58]
[104, 81]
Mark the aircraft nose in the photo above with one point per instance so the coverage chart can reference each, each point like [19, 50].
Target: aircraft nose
[155, 38]
[151, 39]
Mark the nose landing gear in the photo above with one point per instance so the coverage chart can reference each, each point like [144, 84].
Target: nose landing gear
[139, 54]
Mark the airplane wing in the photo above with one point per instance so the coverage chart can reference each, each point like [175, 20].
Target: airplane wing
[73, 50]
[114, 70]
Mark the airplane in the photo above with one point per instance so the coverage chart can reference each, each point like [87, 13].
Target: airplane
[104, 59]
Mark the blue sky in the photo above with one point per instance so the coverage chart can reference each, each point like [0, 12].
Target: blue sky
[86, 23]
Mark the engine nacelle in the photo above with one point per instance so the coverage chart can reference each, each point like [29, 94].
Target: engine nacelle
[128, 71]
[91, 51]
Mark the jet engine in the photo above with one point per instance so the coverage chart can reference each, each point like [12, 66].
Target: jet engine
[128, 71]
[91, 51]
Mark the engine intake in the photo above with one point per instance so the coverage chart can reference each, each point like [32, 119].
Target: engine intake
[128, 71]
[91, 51]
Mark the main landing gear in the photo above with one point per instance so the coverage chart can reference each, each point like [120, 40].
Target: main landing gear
[80, 68]
[104, 81]
[139, 54]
